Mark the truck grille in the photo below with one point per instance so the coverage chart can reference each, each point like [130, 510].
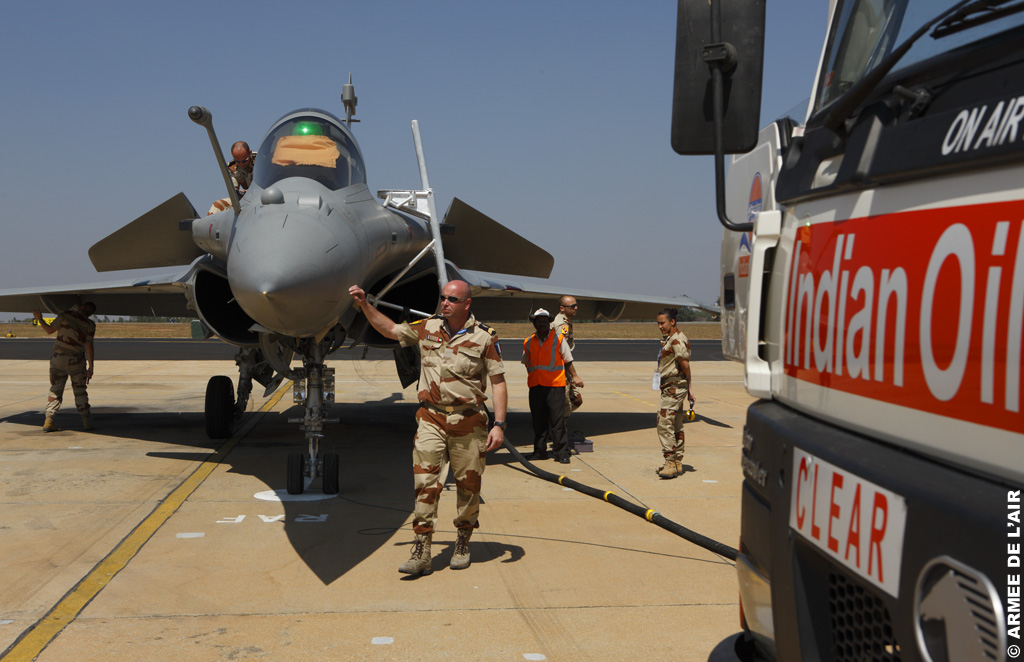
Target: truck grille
[861, 626]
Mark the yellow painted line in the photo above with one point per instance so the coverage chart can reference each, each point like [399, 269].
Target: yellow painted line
[32, 642]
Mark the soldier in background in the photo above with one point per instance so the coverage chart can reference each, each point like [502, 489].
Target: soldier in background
[240, 169]
[458, 356]
[674, 384]
[562, 323]
[72, 357]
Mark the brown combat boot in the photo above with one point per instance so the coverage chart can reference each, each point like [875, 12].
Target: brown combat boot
[87, 423]
[50, 426]
[419, 561]
[460, 557]
[671, 468]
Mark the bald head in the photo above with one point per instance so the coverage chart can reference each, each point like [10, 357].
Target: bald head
[240, 151]
[567, 306]
[456, 312]
[458, 288]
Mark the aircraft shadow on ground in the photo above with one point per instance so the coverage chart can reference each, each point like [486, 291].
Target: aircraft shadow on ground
[374, 440]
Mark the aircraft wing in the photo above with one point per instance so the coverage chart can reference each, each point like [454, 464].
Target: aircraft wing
[158, 296]
[497, 298]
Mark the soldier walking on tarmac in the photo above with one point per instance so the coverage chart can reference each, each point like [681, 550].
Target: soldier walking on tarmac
[72, 357]
[458, 356]
[673, 379]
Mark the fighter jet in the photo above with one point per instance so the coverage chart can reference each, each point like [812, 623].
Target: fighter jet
[270, 274]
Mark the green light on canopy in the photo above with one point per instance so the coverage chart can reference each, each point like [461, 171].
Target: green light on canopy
[308, 129]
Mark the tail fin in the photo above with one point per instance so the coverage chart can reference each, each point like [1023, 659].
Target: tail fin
[476, 238]
[151, 240]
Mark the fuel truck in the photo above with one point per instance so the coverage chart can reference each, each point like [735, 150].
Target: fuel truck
[872, 284]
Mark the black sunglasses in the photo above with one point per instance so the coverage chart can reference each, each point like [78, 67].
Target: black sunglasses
[451, 299]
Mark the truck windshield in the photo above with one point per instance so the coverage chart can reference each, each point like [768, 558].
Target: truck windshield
[866, 31]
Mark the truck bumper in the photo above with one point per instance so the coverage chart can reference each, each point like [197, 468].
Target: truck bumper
[952, 549]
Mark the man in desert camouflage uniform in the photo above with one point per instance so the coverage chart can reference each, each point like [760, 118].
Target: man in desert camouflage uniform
[458, 356]
[240, 169]
[674, 372]
[72, 357]
[563, 324]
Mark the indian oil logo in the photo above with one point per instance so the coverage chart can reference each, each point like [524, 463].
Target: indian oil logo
[914, 309]
[753, 209]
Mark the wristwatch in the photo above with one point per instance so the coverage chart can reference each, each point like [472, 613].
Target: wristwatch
[499, 424]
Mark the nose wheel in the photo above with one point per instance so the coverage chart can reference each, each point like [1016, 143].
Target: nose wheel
[301, 472]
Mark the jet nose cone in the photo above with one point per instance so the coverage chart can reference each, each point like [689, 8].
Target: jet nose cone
[291, 275]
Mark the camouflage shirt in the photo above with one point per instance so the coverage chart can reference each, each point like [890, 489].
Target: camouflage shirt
[673, 347]
[454, 369]
[74, 331]
[241, 178]
[562, 324]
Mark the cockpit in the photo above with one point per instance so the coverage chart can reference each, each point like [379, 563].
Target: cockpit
[313, 146]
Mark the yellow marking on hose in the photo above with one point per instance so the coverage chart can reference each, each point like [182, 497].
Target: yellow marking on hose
[71, 605]
[560, 479]
[606, 494]
[649, 515]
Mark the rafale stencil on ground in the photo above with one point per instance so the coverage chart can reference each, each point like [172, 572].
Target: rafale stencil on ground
[271, 273]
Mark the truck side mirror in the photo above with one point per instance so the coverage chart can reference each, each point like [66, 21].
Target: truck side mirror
[724, 34]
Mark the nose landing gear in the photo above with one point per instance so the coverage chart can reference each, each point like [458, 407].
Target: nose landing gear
[314, 388]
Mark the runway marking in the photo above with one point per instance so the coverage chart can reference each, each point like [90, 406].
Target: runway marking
[190, 535]
[32, 642]
[282, 495]
[382, 641]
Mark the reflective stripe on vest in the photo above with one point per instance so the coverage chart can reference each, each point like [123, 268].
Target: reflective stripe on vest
[545, 366]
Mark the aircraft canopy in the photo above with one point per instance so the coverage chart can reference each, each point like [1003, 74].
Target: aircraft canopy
[311, 147]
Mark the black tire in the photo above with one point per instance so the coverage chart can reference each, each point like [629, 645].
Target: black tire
[220, 407]
[296, 473]
[332, 479]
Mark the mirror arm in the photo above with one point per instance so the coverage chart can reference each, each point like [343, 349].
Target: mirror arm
[716, 85]
[720, 57]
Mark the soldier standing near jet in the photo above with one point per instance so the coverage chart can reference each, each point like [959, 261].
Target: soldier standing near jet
[72, 357]
[674, 384]
[457, 357]
[562, 323]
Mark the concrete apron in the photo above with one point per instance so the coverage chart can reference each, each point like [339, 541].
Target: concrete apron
[128, 543]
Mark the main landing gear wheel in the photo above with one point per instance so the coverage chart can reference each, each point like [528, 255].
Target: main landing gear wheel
[296, 473]
[331, 473]
[220, 407]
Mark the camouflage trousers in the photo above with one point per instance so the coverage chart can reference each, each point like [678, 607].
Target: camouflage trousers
[63, 366]
[459, 438]
[670, 419]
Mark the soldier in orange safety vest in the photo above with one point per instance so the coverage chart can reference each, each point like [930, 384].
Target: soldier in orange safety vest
[548, 360]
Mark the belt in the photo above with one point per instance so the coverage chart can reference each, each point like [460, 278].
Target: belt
[449, 409]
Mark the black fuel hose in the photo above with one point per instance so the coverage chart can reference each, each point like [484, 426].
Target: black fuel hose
[649, 514]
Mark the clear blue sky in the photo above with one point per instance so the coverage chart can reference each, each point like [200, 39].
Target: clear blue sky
[551, 117]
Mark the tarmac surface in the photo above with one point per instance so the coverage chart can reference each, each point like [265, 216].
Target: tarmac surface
[175, 349]
[145, 540]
